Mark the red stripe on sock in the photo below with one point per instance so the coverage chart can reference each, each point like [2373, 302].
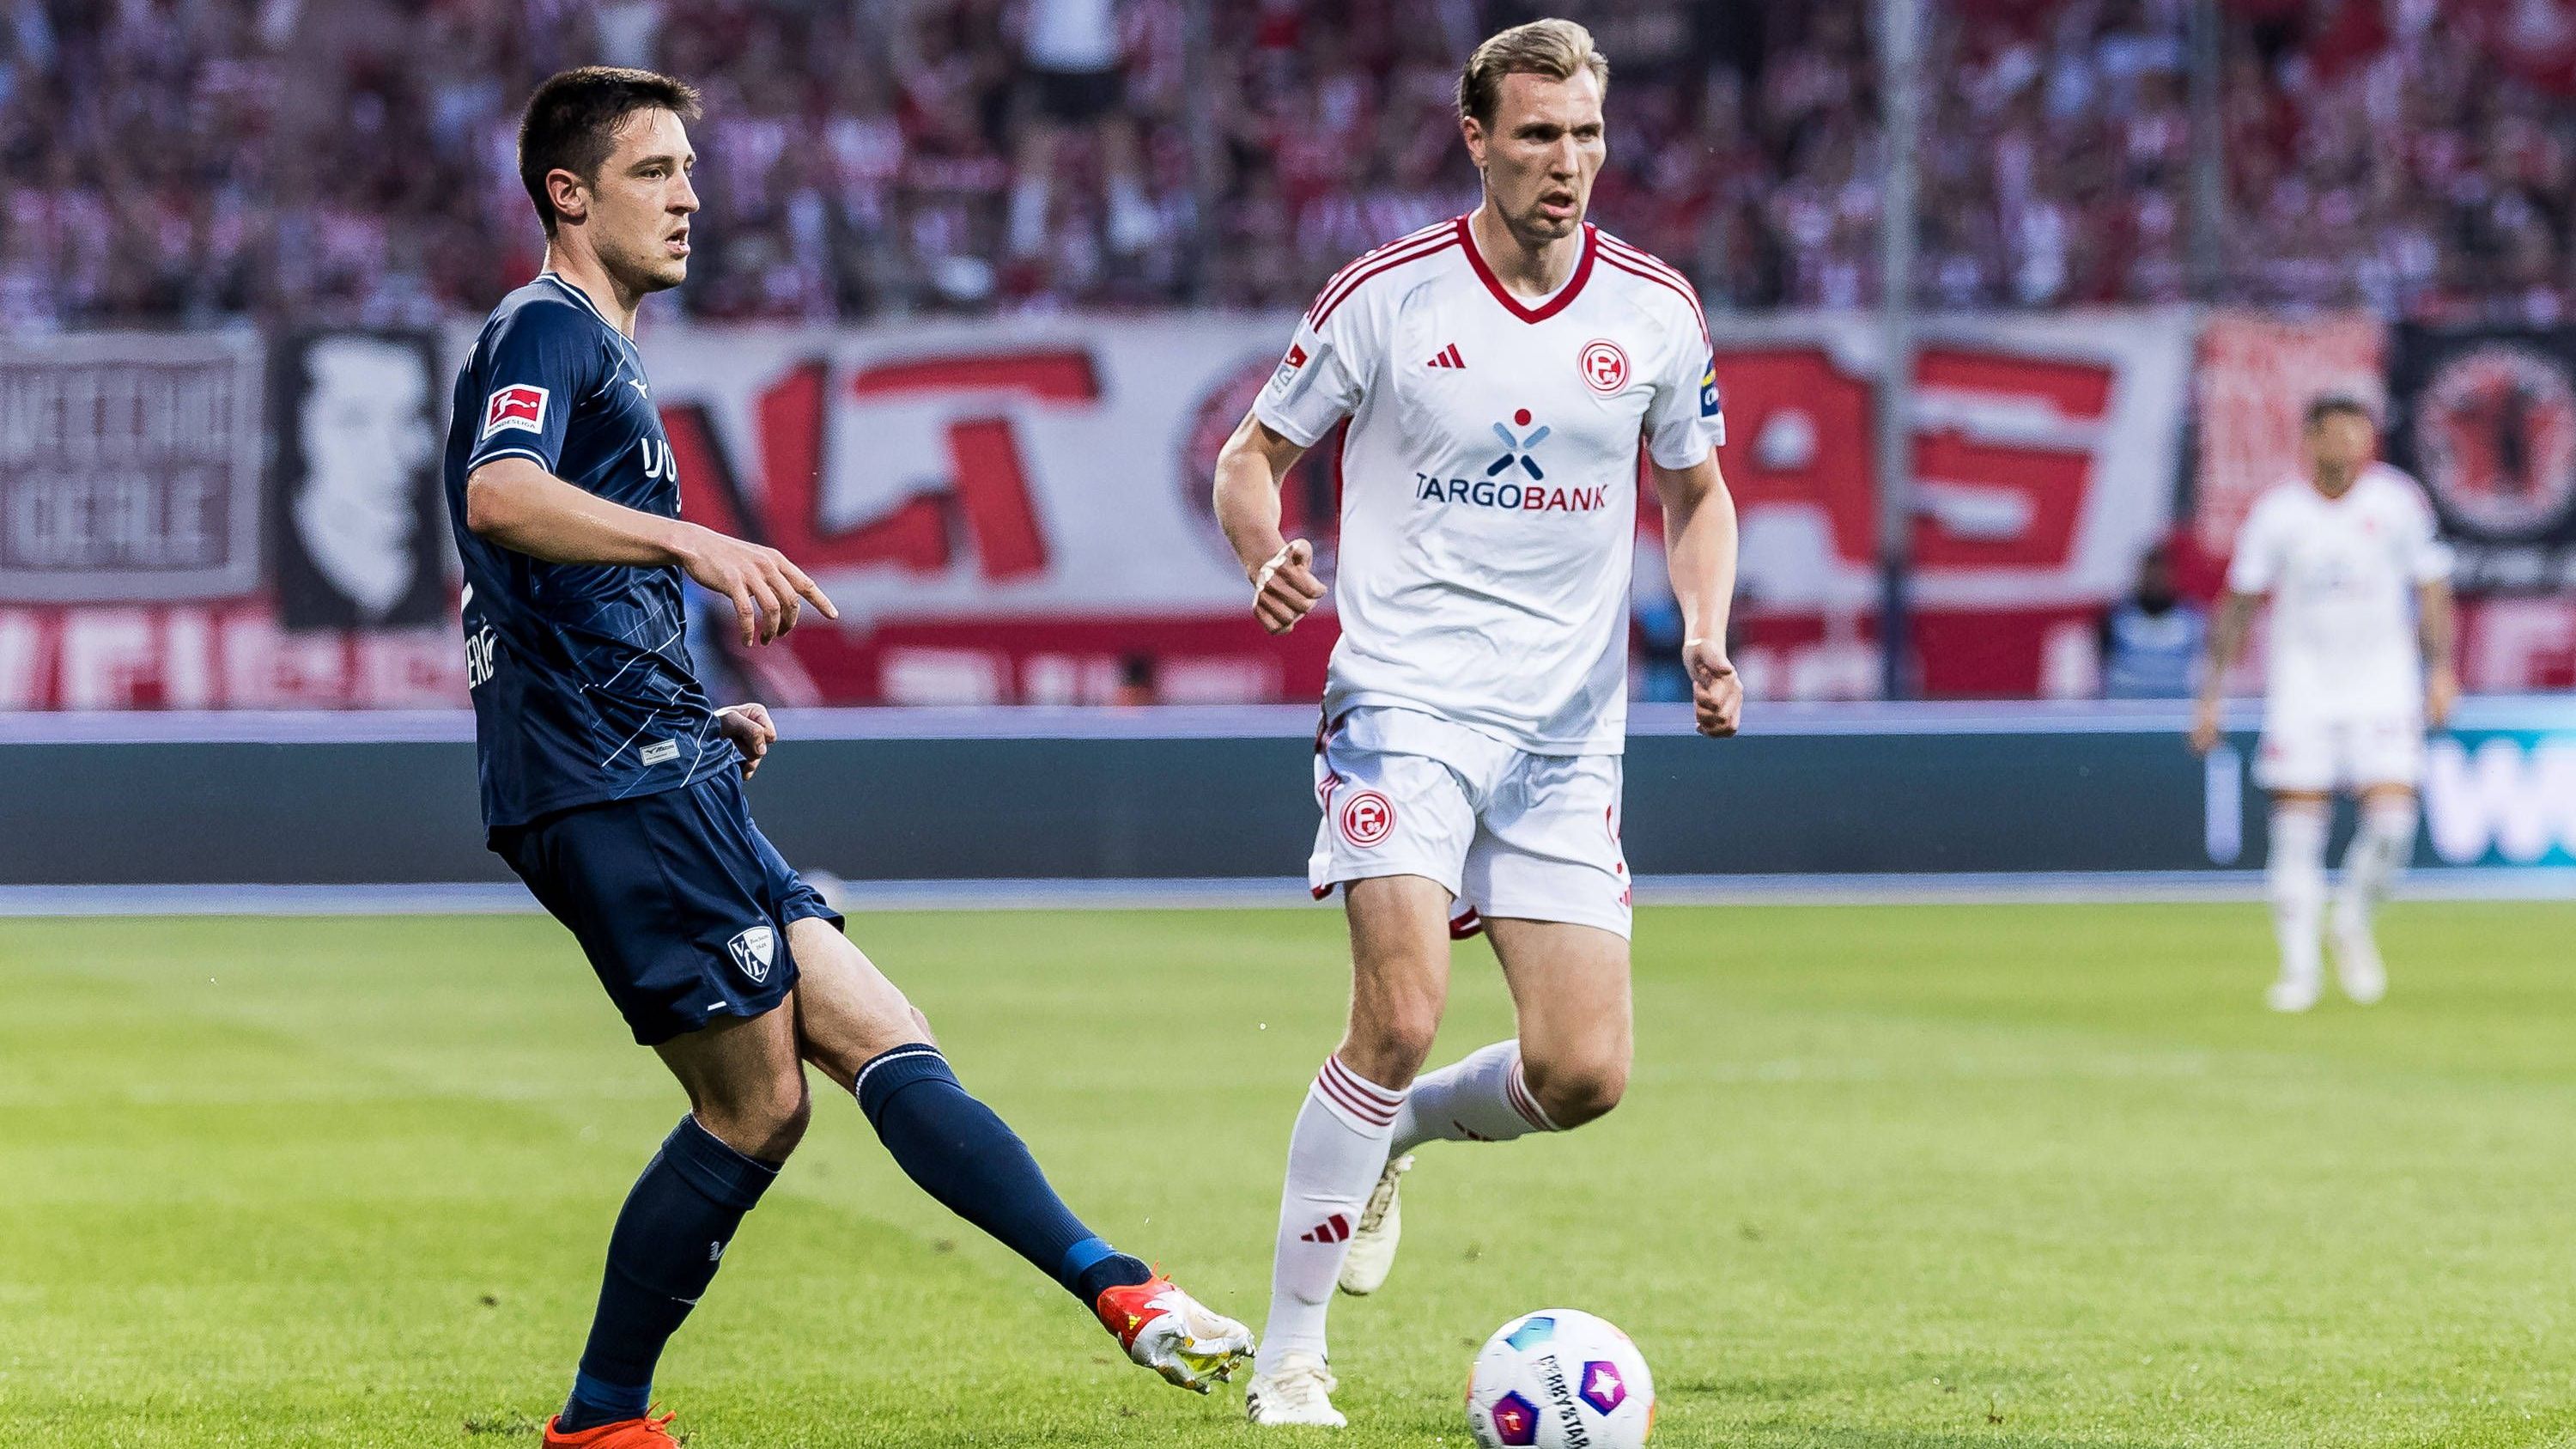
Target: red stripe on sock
[1364, 1088]
[1361, 1097]
[1342, 1097]
[1522, 1102]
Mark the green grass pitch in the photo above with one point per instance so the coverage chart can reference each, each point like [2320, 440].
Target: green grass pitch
[1928, 1177]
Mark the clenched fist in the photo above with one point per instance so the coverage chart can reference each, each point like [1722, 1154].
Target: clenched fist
[1717, 692]
[1285, 589]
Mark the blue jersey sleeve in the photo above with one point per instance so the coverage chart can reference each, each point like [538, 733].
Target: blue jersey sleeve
[536, 362]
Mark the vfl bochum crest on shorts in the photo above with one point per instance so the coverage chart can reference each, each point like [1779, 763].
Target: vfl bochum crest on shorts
[751, 952]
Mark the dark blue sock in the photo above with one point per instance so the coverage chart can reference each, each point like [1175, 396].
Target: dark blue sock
[960, 1153]
[661, 1256]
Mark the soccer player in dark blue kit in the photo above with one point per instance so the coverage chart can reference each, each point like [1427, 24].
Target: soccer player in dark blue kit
[614, 789]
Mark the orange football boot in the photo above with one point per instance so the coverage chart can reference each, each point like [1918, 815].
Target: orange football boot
[645, 1433]
[1173, 1334]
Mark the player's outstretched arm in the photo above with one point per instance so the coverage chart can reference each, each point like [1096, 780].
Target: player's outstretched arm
[519, 505]
[1248, 474]
[2226, 645]
[1699, 551]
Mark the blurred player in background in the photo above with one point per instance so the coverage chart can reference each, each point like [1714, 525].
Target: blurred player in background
[2152, 641]
[615, 790]
[2359, 664]
[1076, 81]
[1499, 373]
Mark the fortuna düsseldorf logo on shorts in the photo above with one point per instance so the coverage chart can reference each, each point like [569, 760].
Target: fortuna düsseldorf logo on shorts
[1605, 367]
[1367, 818]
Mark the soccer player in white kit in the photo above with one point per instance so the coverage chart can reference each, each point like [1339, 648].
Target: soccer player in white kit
[2359, 664]
[1499, 375]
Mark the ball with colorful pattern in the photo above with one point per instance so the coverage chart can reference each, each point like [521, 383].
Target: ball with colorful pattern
[1557, 1379]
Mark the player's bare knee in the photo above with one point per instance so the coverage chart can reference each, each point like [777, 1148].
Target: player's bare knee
[1389, 1048]
[1575, 1092]
[764, 1120]
[784, 1119]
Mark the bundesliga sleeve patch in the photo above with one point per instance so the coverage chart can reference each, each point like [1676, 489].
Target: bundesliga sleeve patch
[1288, 366]
[520, 405]
[1708, 403]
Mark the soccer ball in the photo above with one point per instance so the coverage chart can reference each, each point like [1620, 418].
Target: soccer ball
[1560, 1379]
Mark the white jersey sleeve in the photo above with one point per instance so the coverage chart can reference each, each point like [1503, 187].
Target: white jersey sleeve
[1323, 377]
[2256, 566]
[1686, 420]
[2427, 559]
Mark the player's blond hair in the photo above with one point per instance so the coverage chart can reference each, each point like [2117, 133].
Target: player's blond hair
[1555, 49]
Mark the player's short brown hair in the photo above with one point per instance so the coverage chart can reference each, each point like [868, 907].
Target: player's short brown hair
[1555, 49]
[2338, 404]
[571, 122]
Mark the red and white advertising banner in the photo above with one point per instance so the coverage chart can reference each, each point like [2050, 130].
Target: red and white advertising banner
[1003, 512]
[1017, 511]
[2257, 376]
[224, 656]
[2045, 457]
[1014, 511]
[2518, 644]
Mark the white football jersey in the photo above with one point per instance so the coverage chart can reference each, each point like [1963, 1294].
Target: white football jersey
[1490, 473]
[2342, 574]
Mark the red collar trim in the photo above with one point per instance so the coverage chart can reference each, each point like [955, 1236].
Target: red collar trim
[1565, 295]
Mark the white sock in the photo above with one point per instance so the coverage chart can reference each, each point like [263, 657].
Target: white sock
[1481, 1097]
[1132, 222]
[2378, 855]
[2296, 874]
[1028, 215]
[1334, 1157]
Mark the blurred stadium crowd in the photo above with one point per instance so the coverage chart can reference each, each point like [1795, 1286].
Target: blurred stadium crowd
[191, 160]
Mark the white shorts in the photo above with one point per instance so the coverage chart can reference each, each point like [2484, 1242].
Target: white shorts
[1511, 834]
[2327, 752]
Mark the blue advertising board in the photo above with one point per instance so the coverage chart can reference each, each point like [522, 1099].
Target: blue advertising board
[896, 795]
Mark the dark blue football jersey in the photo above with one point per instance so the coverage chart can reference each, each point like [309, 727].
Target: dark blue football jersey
[583, 689]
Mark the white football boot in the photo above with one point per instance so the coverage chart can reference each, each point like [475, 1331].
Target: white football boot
[1175, 1335]
[1372, 1253]
[1301, 1392]
[2294, 993]
[2358, 969]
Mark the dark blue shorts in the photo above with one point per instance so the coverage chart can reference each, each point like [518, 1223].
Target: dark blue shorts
[678, 900]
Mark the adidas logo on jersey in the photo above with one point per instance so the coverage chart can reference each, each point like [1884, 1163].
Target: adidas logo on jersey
[1447, 357]
[1334, 1229]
